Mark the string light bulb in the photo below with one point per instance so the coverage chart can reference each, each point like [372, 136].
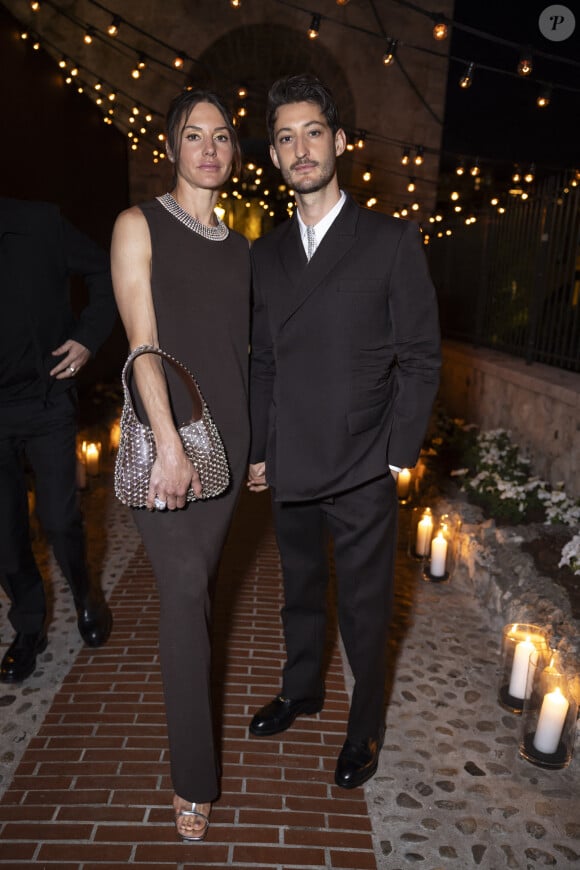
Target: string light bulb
[390, 50]
[440, 29]
[530, 174]
[411, 186]
[314, 29]
[242, 92]
[342, 2]
[367, 174]
[88, 37]
[517, 176]
[235, 4]
[178, 61]
[114, 26]
[466, 79]
[460, 169]
[35, 5]
[405, 159]
[62, 62]
[475, 170]
[419, 156]
[544, 97]
[525, 65]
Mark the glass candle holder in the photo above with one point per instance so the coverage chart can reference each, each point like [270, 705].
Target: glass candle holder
[420, 533]
[523, 644]
[404, 485]
[438, 568]
[548, 727]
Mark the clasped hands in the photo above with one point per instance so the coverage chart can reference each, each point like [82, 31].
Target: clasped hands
[257, 477]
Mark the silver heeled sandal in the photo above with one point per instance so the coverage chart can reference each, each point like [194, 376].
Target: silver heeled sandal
[189, 838]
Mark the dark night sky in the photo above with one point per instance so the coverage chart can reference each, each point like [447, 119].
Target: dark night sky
[497, 117]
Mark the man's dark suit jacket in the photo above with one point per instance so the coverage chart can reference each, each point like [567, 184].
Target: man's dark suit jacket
[345, 353]
[39, 250]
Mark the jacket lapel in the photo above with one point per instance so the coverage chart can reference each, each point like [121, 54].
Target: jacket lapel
[305, 276]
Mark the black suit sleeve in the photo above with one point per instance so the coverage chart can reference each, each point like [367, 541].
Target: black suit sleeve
[85, 258]
[414, 314]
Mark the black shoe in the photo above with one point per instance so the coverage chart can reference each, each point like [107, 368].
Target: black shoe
[95, 622]
[280, 713]
[357, 762]
[20, 658]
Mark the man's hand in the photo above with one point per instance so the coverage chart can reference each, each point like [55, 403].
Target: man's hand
[76, 355]
[257, 477]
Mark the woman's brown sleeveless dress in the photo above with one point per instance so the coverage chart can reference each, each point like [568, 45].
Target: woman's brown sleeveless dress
[201, 293]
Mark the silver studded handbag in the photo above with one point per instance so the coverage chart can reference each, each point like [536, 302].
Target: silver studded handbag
[137, 450]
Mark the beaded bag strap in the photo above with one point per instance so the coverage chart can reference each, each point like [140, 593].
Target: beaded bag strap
[150, 348]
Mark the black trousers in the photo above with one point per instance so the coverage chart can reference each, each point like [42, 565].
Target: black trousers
[45, 435]
[363, 525]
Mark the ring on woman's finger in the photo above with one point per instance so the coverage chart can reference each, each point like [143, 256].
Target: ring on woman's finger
[159, 504]
[72, 370]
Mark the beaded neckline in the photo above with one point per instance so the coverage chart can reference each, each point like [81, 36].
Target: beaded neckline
[215, 234]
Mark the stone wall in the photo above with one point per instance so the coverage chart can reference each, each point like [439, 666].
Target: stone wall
[538, 404]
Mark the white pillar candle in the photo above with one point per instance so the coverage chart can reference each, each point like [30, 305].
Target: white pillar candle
[551, 722]
[438, 556]
[424, 531]
[92, 458]
[403, 483]
[519, 677]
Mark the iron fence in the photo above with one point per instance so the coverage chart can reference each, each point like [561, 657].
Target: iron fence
[511, 281]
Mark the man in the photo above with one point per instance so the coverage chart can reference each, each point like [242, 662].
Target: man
[42, 349]
[345, 367]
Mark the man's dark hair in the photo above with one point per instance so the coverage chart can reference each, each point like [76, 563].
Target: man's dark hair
[177, 116]
[298, 89]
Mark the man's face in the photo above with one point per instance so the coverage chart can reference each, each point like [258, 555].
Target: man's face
[305, 149]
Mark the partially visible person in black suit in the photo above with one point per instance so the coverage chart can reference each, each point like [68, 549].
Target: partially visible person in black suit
[42, 349]
[344, 370]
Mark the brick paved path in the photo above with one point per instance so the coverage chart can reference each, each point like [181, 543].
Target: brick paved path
[92, 789]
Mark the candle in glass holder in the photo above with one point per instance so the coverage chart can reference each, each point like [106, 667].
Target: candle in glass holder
[438, 556]
[92, 458]
[519, 684]
[114, 435]
[424, 532]
[403, 483]
[551, 722]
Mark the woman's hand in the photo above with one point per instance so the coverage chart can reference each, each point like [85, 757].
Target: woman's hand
[172, 476]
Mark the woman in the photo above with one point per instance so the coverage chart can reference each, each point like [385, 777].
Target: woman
[181, 281]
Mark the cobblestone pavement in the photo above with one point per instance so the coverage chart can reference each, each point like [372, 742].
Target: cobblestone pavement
[451, 790]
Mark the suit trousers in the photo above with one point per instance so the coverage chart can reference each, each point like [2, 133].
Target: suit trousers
[44, 434]
[363, 525]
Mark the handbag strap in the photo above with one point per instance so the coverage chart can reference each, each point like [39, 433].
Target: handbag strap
[150, 348]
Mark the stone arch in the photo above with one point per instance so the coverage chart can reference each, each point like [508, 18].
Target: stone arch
[258, 54]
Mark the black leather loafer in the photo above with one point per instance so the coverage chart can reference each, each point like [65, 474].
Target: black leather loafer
[357, 762]
[95, 623]
[280, 713]
[19, 659]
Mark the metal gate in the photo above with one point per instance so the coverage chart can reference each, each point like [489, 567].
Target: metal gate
[512, 281]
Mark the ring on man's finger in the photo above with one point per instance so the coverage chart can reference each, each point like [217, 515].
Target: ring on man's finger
[72, 369]
[159, 504]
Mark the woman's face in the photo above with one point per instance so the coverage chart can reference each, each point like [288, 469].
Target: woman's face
[204, 148]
